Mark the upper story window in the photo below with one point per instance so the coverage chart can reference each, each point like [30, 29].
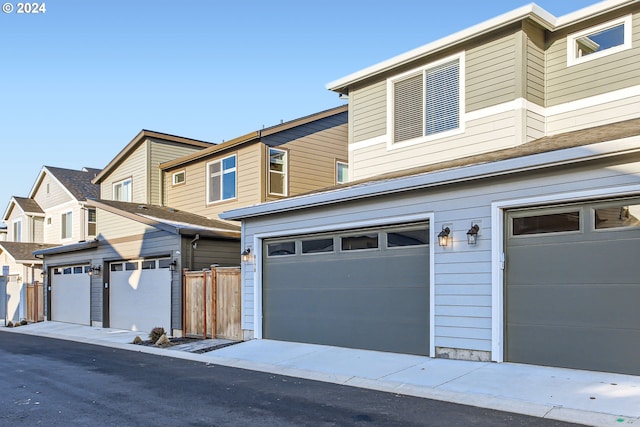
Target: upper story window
[17, 230]
[427, 103]
[122, 190]
[179, 178]
[602, 40]
[66, 225]
[91, 222]
[342, 172]
[277, 172]
[221, 182]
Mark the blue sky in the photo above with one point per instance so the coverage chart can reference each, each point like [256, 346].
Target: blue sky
[82, 79]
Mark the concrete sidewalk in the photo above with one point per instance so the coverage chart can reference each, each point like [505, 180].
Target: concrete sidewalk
[591, 398]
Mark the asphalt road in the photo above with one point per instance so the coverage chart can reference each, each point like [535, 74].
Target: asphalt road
[48, 382]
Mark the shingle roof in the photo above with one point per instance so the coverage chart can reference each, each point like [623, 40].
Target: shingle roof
[28, 205]
[21, 251]
[78, 182]
[180, 221]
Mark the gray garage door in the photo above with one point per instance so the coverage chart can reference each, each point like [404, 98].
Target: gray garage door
[364, 289]
[573, 286]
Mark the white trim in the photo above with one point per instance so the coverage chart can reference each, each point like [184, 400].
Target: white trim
[259, 237]
[572, 55]
[208, 179]
[176, 174]
[382, 139]
[498, 247]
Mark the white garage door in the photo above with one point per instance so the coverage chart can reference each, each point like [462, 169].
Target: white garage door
[140, 295]
[71, 295]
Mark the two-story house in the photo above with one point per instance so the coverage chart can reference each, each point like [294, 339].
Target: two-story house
[493, 209]
[57, 211]
[157, 215]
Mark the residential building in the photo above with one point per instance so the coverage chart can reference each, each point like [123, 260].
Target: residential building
[493, 212]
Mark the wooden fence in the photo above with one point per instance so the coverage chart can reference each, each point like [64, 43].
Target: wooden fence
[35, 302]
[211, 303]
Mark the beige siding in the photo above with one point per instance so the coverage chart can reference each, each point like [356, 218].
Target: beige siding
[191, 196]
[115, 226]
[534, 66]
[56, 195]
[312, 159]
[487, 134]
[134, 166]
[597, 115]
[490, 71]
[368, 110]
[612, 72]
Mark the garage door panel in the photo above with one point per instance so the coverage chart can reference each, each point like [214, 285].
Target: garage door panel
[578, 348]
[71, 298]
[575, 305]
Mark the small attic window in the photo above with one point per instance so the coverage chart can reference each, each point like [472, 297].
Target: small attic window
[599, 41]
[179, 178]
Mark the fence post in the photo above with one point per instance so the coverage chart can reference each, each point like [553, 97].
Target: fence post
[184, 302]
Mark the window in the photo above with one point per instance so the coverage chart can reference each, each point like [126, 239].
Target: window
[117, 267]
[221, 183]
[48, 220]
[342, 172]
[149, 265]
[427, 103]
[281, 248]
[17, 231]
[547, 223]
[412, 237]
[602, 40]
[78, 270]
[67, 225]
[277, 172]
[122, 190]
[358, 242]
[91, 222]
[617, 216]
[179, 178]
[315, 246]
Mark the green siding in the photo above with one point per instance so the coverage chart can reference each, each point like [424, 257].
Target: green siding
[369, 106]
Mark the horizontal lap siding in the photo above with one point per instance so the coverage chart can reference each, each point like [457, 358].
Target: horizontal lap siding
[368, 108]
[134, 166]
[57, 194]
[600, 114]
[463, 297]
[490, 71]
[535, 57]
[595, 77]
[115, 226]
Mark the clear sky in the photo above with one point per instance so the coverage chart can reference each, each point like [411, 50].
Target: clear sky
[79, 81]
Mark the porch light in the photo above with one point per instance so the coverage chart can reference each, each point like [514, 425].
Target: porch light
[443, 236]
[472, 234]
[173, 265]
[246, 255]
[95, 270]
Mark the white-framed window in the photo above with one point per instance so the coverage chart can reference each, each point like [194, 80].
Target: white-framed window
[122, 190]
[179, 178]
[66, 228]
[48, 220]
[602, 40]
[17, 230]
[426, 103]
[221, 179]
[91, 222]
[277, 172]
[342, 172]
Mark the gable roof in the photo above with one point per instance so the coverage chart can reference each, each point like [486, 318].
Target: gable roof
[531, 11]
[139, 138]
[565, 148]
[23, 252]
[170, 219]
[254, 137]
[28, 206]
[76, 182]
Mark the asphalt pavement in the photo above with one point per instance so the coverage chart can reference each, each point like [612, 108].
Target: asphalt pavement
[584, 397]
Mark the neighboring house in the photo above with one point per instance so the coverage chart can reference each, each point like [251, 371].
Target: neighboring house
[129, 276]
[494, 209]
[55, 212]
[269, 164]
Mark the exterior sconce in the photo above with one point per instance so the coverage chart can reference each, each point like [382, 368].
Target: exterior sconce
[246, 255]
[95, 270]
[472, 234]
[443, 236]
[173, 265]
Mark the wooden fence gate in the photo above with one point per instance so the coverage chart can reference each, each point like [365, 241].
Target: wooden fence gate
[211, 303]
[35, 302]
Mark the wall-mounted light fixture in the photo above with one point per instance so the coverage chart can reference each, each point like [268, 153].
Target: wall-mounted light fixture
[443, 236]
[472, 234]
[246, 255]
[173, 265]
[95, 270]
